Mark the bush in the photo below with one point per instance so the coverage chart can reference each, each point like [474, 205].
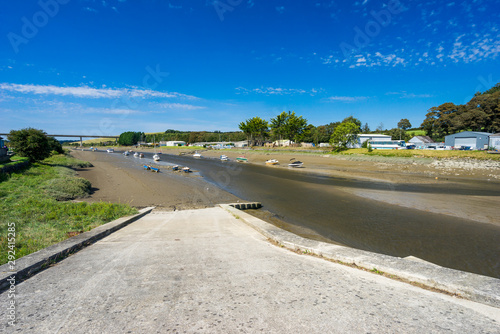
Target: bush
[30, 143]
[55, 146]
[63, 189]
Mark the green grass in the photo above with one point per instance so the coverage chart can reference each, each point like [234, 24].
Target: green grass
[480, 155]
[416, 133]
[33, 200]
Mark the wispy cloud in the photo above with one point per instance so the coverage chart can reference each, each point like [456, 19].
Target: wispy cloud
[278, 91]
[406, 95]
[346, 98]
[89, 92]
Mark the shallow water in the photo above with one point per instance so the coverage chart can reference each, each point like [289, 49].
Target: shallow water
[318, 203]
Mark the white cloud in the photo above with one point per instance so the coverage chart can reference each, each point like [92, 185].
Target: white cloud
[89, 92]
[179, 106]
[346, 98]
[277, 91]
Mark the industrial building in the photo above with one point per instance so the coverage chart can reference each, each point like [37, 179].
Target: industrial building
[372, 137]
[468, 139]
[495, 141]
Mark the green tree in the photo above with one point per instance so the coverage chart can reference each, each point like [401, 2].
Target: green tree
[295, 127]
[255, 129]
[365, 128]
[277, 125]
[352, 119]
[344, 135]
[30, 143]
[404, 124]
[130, 138]
[55, 145]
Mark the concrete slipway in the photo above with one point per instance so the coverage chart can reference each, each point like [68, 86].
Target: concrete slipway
[207, 271]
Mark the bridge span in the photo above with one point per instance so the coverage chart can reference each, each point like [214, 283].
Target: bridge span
[75, 136]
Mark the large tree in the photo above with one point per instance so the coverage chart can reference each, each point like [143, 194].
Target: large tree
[344, 135]
[404, 124]
[130, 138]
[30, 143]
[256, 129]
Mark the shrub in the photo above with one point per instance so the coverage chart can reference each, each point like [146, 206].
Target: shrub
[30, 143]
[67, 188]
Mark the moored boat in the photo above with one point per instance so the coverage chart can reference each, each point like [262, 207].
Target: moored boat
[295, 163]
[241, 159]
[110, 150]
[156, 157]
[141, 155]
[176, 167]
[186, 169]
[272, 162]
[197, 155]
[126, 153]
[136, 155]
[224, 158]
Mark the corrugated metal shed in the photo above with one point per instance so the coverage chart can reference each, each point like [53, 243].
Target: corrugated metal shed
[473, 139]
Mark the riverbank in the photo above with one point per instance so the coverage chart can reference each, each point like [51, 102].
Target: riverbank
[36, 211]
[129, 183]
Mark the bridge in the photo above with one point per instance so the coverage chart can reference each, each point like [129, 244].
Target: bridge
[75, 136]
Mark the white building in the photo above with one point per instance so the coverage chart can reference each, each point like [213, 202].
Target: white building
[173, 143]
[370, 136]
[495, 141]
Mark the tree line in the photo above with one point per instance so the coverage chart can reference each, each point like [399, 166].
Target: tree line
[481, 113]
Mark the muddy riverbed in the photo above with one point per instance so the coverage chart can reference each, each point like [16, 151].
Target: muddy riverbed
[451, 223]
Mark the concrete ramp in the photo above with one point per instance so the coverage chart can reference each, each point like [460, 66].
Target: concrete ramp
[205, 271]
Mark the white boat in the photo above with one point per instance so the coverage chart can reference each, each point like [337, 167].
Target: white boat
[110, 150]
[186, 169]
[197, 155]
[295, 163]
[224, 158]
[136, 155]
[272, 162]
[175, 167]
[126, 153]
[156, 157]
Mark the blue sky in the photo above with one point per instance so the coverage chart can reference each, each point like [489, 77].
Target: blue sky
[108, 66]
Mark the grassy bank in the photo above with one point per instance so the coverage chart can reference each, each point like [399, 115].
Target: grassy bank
[36, 201]
[448, 154]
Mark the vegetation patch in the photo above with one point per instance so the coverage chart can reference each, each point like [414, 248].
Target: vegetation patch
[34, 201]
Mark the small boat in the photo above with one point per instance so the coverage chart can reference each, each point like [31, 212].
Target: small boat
[224, 158]
[241, 159]
[95, 149]
[110, 150]
[141, 155]
[146, 167]
[186, 169]
[295, 163]
[154, 170]
[272, 162]
[176, 167]
[156, 157]
[197, 155]
[136, 155]
[126, 153]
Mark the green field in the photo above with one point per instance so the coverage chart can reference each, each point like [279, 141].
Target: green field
[480, 155]
[36, 201]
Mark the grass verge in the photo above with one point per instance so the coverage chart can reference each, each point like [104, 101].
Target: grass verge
[445, 154]
[35, 202]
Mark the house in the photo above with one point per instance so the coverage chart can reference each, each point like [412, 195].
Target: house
[361, 138]
[421, 140]
[424, 142]
[468, 139]
[495, 141]
[243, 143]
[173, 143]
